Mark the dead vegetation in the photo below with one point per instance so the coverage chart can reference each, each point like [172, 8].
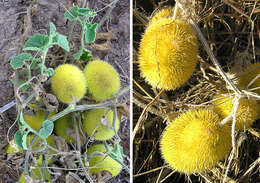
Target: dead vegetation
[232, 33]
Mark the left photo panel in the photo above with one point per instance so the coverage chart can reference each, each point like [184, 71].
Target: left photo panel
[65, 91]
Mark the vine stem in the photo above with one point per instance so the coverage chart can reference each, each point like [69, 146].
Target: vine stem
[238, 93]
[78, 154]
[105, 17]
[73, 108]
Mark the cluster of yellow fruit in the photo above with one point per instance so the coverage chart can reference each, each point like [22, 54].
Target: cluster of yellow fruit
[196, 140]
[70, 84]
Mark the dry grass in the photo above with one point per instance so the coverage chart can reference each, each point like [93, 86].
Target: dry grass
[232, 32]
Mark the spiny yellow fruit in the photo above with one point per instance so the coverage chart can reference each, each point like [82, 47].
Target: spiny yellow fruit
[103, 80]
[166, 12]
[62, 127]
[101, 121]
[247, 111]
[195, 141]
[168, 53]
[36, 175]
[68, 83]
[102, 162]
[35, 121]
[249, 74]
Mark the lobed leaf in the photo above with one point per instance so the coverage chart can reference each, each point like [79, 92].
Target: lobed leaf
[36, 43]
[90, 32]
[83, 54]
[46, 130]
[17, 62]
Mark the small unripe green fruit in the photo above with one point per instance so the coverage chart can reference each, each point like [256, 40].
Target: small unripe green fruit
[100, 121]
[36, 175]
[247, 112]
[168, 53]
[62, 125]
[249, 74]
[103, 80]
[102, 162]
[195, 141]
[68, 83]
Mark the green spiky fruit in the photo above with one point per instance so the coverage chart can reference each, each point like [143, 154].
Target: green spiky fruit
[195, 141]
[103, 80]
[247, 112]
[36, 175]
[168, 53]
[35, 121]
[63, 126]
[100, 121]
[68, 83]
[248, 75]
[102, 162]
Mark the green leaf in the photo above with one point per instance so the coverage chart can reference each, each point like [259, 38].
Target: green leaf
[115, 152]
[34, 62]
[26, 86]
[36, 43]
[20, 139]
[46, 130]
[75, 12]
[53, 32]
[90, 32]
[72, 13]
[50, 71]
[62, 41]
[18, 61]
[86, 12]
[21, 122]
[83, 54]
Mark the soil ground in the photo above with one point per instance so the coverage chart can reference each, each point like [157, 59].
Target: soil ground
[13, 23]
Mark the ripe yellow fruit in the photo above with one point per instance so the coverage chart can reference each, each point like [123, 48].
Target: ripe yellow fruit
[249, 74]
[62, 126]
[36, 175]
[35, 121]
[247, 111]
[102, 162]
[195, 141]
[166, 12]
[68, 83]
[100, 121]
[103, 80]
[168, 53]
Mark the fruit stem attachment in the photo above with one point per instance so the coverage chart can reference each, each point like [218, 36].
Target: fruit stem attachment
[176, 9]
[209, 52]
[234, 111]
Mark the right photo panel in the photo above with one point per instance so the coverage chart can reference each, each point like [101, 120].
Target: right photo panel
[196, 87]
